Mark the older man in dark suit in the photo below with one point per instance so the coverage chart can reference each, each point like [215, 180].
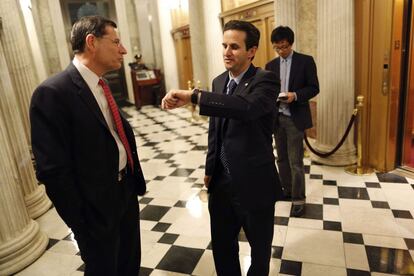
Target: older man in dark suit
[86, 155]
[299, 83]
[241, 175]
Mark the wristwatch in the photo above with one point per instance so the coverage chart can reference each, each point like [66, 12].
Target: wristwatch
[194, 96]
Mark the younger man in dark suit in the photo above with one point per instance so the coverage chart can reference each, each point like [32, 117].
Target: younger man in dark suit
[299, 83]
[241, 175]
[86, 154]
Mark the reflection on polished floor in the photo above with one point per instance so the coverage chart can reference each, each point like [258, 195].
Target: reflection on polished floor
[352, 226]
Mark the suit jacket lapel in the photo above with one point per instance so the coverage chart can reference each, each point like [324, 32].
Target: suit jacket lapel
[221, 83]
[86, 94]
[293, 67]
[244, 82]
[241, 87]
[277, 67]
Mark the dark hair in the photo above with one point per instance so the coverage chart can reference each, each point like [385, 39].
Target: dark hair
[87, 25]
[252, 33]
[282, 33]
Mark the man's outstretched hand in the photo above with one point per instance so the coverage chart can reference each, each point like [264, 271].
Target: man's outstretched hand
[176, 98]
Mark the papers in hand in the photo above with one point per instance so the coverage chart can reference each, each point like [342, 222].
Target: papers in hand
[283, 96]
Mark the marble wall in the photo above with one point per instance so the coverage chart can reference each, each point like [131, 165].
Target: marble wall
[300, 16]
[133, 18]
[149, 33]
[306, 27]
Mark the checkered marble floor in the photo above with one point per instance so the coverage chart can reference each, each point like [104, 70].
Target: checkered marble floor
[353, 225]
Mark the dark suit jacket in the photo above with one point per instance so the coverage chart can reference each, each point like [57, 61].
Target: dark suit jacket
[303, 80]
[248, 135]
[77, 157]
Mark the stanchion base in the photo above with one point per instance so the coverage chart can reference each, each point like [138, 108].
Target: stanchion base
[355, 170]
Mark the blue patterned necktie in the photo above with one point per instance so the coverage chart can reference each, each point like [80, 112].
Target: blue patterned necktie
[231, 87]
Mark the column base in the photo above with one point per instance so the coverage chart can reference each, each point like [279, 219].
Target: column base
[342, 157]
[355, 170]
[23, 250]
[37, 202]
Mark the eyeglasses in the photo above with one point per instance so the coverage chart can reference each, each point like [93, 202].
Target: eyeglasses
[282, 48]
[116, 41]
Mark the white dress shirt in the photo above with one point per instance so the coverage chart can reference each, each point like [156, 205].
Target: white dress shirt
[91, 80]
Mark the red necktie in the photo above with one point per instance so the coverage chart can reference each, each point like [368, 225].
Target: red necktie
[117, 120]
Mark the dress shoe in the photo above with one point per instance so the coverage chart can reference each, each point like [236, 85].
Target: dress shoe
[298, 210]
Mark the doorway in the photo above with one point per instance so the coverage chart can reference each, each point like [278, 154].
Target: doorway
[406, 150]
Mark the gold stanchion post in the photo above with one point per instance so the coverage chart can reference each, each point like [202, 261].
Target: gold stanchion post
[359, 169]
[189, 85]
[192, 107]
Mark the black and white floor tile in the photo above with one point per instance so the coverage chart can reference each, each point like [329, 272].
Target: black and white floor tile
[353, 225]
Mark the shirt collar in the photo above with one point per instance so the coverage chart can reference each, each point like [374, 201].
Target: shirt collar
[289, 57]
[90, 77]
[238, 78]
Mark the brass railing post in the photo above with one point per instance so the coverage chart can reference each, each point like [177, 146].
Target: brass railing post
[195, 116]
[190, 85]
[359, 168]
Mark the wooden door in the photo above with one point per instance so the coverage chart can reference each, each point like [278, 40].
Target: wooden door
[260, 58]
[265, 52]
[261, 15]
[183, 54]
[407, 151]
[270, 25]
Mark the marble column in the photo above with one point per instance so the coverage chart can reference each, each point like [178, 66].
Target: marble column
[285, 15]
[335, 23]
[198, 44]
[34, 194]
[48, 27]
[21, 241]
[15, 41]
[34, 40]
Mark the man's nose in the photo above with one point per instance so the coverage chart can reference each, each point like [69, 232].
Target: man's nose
[226, 51]
[123, 50]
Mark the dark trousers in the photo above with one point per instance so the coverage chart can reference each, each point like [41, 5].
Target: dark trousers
[117, 254]
[227, 217]
[289, 147]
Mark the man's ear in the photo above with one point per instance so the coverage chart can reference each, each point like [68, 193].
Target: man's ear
[252, 52]
[90, 41]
